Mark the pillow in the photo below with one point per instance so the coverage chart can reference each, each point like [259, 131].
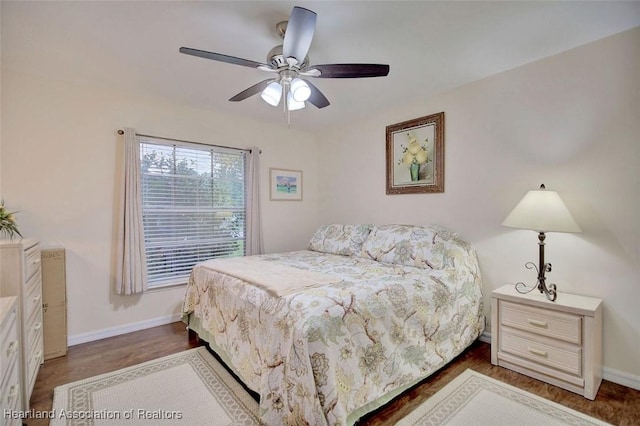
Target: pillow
[345, 240]
[405, 245]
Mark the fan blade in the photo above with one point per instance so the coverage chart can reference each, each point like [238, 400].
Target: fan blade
[253, 90]
[317, 98]
[222, 58]
[299, 33]
[350, 70]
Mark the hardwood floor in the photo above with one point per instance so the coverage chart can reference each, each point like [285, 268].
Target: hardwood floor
[103, 356]
[615, 404]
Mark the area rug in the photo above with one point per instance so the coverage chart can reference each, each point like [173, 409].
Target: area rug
[189, 388]
[476, 400]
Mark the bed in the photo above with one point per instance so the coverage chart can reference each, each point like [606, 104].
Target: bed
[328, 334]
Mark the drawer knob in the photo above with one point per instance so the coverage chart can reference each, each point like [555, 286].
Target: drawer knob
[13, 346]
[537, 323]
[37, 326]
[538, 352]
[13, 392]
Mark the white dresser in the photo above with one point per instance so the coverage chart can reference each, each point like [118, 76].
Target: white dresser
[557, 342]
[10, 394]
[20, 276]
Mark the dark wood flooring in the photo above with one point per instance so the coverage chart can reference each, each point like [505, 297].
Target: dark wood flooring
[614, 403]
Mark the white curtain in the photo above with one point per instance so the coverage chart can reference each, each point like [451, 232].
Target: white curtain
[131, 275]
[254, 223]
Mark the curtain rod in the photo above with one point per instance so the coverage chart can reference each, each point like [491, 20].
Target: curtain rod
[121, 132]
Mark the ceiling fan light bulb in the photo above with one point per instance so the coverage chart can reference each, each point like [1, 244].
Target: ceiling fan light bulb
[292, 104]
[272, 93]
[300, 90]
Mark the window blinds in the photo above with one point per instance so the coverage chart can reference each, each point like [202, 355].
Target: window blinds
[193, 206]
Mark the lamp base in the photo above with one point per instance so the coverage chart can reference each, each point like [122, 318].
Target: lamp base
[544, 267]
[549, 291]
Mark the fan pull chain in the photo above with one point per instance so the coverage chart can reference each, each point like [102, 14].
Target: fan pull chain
[285, 95]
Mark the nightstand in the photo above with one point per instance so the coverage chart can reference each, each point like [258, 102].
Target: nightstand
[557, 342]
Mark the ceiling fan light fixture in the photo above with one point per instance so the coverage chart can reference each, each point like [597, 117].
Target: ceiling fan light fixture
[300, 90]
[292, 104]
[272, 93]
[290, 61]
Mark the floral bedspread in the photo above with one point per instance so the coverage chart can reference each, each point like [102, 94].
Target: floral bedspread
[321, 354]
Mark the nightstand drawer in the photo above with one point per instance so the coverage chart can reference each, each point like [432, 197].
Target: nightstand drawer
[525, 345]
[558, 325]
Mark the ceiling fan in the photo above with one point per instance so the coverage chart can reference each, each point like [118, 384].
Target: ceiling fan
[290, 63]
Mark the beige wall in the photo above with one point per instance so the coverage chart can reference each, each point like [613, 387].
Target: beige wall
[570, 121]
[0, 105]
[59, 170]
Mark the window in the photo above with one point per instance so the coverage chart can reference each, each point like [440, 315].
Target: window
[193, 206]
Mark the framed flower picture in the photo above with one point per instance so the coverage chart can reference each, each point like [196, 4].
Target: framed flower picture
[415, 155]
[286, 185]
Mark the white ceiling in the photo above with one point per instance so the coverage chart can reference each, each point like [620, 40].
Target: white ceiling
[430, 46]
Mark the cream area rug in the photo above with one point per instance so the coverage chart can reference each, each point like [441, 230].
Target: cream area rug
[193, 388]
[188, 388]
[476, 400]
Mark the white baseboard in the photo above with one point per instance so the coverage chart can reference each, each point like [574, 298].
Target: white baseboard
[123, 329]
[609, 374]
[621, 378]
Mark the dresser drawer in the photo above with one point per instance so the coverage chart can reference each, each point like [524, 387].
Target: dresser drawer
[526, 345]
[32, 261]
[34, 334]
[558, 325]
[32, 303]
[9, 343]
[9, 354]
[9, 335]
[34, 360]
[10, 390]
[8, 326]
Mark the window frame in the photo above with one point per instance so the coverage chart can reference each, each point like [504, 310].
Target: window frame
[178, 279]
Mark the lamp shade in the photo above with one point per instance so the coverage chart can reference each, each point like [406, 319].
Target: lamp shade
[292, 104]
[300, 90]
[272, 93]
[543, 211]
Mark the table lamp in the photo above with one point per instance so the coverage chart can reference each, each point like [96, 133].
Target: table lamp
[541, 211]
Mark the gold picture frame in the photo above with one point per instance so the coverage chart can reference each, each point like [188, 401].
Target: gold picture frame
[415, 155]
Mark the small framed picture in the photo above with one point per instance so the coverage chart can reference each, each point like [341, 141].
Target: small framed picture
[415, 155]
[286, 185]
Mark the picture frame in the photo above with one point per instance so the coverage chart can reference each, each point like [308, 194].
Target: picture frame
[415, 155]
[285, 185]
